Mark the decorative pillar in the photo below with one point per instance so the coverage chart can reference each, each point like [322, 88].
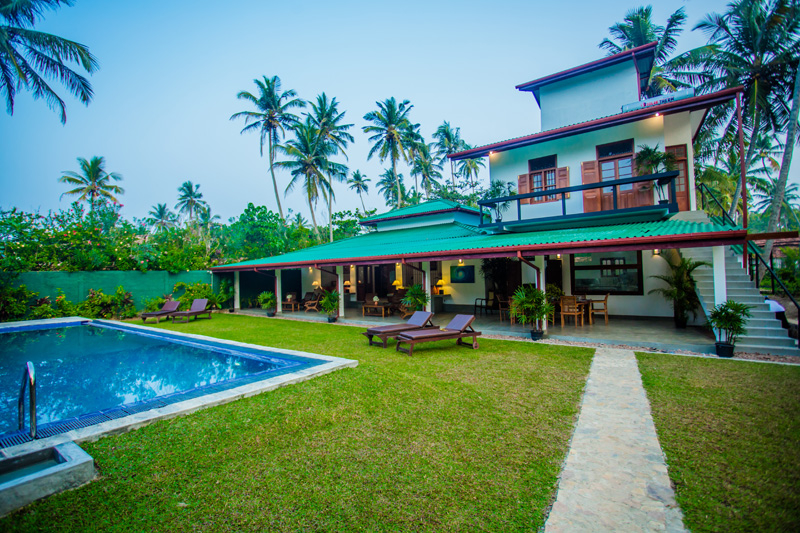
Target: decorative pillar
[340, 288]
[720, 281]
[236, 292]
[426, 269]
[278, 291]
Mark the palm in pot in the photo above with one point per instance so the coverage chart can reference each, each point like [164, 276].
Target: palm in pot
[529, 305]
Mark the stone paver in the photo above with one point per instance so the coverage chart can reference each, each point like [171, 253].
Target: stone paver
[615, 477]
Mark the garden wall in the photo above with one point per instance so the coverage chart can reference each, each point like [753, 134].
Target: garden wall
[142, 285]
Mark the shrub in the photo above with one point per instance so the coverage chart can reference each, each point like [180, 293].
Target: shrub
[97, 305]
[14, 302]
[416, 298]
[64, 307]
[192, 292]
[153, 304]
[42, 309]
[267, 300]
[330, 303]
[122, 304]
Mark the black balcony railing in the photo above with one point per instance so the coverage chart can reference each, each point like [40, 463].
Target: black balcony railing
[660, 181]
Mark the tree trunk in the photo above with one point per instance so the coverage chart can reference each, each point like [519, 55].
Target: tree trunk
[330, 213]
[750, 152]
[780, 186]
[362, 203]
[274, 181]
[397, 181]
[314, 219]
[452, 175]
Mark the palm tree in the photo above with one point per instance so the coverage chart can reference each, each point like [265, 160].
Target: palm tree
[271, 118]
[161, 218]
[469, 169]
[757, 46]
[327, 119]
[190, 200]
[764, 191]
[92, 182]
[387, 186]
[680, 288]
[24, 51]
[358, 182]
[427, 168]
[448, 141]
[638, 29]
[392, 133]
[308, 164]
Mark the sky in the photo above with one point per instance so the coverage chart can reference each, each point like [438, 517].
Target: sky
[170, 72]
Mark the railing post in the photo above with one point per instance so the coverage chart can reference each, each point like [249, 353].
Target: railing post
[614, 195]
[29, 379]
[519, 209]
[564, 204]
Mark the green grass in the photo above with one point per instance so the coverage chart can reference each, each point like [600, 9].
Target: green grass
[731, 434]
[451, 439]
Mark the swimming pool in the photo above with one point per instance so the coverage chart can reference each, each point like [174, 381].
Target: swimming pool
[89, 372]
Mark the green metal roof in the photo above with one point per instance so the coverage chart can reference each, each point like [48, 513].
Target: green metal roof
[459, 239]
[431, 206]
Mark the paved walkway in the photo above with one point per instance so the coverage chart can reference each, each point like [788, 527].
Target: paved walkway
[615, 478]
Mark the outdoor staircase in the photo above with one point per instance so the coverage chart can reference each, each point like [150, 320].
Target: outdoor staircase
[764, 332]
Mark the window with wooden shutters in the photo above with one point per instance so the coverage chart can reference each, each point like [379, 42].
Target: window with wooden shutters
[543, 175]
[591, 197]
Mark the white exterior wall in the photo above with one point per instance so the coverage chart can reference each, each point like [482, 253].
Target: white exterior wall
[678, 129]
[309, 275]
[589, 96]
[570, 152]
[429, 220]
[463, 293]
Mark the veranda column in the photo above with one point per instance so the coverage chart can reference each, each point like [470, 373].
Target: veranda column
[720, 281]
[236, 291]
[278, 292]
[340, 283]
[426, 268]
[539, 262]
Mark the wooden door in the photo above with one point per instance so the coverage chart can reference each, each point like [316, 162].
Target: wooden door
[591, 197]
[682, 181]
[617, 169]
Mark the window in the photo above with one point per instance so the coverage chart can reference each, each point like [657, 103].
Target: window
[542, 176]
[607, 273]
[616, 163]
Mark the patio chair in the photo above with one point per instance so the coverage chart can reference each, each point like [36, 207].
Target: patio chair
[198, 308]
[598, 310]
[308, 297]
[484, 304]
[396, 301]
[167, 309]
[459, 328]
[313, 304]
[571, 307]
[504, 308]
[419, 320]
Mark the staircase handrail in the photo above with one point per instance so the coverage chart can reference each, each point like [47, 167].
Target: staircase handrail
[750, 248]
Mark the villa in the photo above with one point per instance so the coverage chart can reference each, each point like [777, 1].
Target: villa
[582, 218]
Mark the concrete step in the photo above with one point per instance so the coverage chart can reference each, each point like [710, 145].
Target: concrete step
[754, 322]
[767, 341]
[768, 349]
[765, 331]
[730, 284]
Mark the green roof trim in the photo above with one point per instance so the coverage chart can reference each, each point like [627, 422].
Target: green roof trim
[459, 239]
[432, 206]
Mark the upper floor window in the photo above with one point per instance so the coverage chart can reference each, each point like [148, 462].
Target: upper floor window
[542, 176]
[616, 163]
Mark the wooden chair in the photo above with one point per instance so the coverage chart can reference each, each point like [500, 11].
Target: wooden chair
[313, 304]
[504, 308]
[603, 309]
[484, 304]
[571, 307]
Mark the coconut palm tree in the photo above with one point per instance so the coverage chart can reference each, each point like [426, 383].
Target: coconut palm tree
[469, 169]
[392, 132]
[27, 56]
[448, 141]
[271, 119]
[387, 186]
[161, 218]
[93, 182]
[308, 164]
[358, 182]
[764, 192]
[757, 46]
[327, 119]
[426, 168]
[190, 200]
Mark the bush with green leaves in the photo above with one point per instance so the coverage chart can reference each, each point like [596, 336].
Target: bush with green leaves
[529, 305]
[329, 303]
[63, 306]
[153, 304]
[14, 302]
[97, 305]
[42, 309]
[728, 320]
[191, 292]
[267, 300]
[416, 298]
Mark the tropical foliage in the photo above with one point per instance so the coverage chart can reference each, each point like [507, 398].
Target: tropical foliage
[92, 183]
[680, 288]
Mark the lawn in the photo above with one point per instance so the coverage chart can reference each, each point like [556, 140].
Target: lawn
[731, 434]
[451, 439]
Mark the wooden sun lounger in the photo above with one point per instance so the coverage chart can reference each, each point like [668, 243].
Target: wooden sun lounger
[167, 309]
[459, 328]
[419, 320]
[198, 308]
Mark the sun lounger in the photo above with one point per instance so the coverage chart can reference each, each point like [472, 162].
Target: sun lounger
[419, 320]
[167, 309]
[198, 308]
[459, 328]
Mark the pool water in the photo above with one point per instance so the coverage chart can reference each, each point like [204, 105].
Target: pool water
[85, 369]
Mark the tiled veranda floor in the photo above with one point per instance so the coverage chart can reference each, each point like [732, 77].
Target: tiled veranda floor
[644, 332]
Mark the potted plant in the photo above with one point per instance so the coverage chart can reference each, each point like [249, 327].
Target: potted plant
[553, 293]
[651, 160]
[268, 302]
[329, 303]
[529, 305]
[728, 320]
[681, 289]
[416, 298]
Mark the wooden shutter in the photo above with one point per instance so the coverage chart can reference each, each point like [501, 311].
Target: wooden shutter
[562, 179]
[591, 197]
[524, 187]
[682, 181]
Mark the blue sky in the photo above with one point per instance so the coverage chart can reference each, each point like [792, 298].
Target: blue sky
[170, 71]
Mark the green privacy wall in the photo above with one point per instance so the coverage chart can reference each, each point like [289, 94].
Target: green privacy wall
[142, 285]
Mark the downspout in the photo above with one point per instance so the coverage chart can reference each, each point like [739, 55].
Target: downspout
[538, 272]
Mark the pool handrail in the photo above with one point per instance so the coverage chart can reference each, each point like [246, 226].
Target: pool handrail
[29, 379]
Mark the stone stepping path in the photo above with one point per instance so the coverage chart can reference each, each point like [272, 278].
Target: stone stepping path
[615, 477]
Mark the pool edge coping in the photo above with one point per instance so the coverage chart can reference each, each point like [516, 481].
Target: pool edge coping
[138, 420]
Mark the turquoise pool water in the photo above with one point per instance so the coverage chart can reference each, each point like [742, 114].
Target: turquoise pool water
[87, 369]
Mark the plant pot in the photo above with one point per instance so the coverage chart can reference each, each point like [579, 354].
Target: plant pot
[331, 319]
[724, 349]
[231, 310]
[270, 313]
[537, 334]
